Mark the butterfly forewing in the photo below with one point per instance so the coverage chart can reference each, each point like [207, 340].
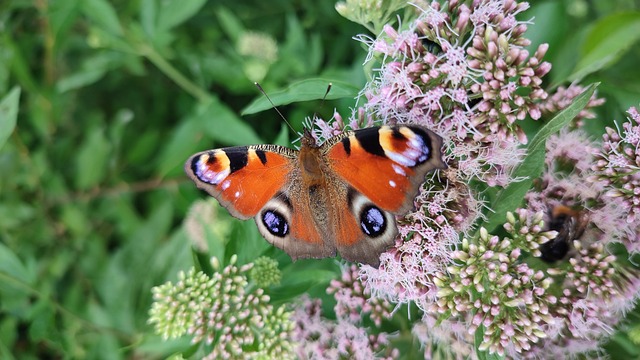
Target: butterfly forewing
[242, 178]
[387, 164]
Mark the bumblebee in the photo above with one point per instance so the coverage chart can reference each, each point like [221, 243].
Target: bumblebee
[570, 225]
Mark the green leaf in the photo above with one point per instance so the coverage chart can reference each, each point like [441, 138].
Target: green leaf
[8, 114]
[8, 335]
[148, 15]
[222, 124]
[217, 121]
[80, 79]
[229, 22]
[103, 14]
[158, 347]
[246, 242]
[11, 265]
[41, 327]
[92, 159]
[174, 12]
[483, 355]
[283, 137]
[91, 70]
[202, 261]
[533, 164]
[62, 16]
[305, 90]
[609, 39]
[300, 276]
[179, 147]
[629, 348]
[549, 27]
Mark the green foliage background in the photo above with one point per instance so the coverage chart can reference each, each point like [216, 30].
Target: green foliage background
[103, 100]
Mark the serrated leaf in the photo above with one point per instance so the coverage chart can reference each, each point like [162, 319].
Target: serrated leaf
[305, 90]
[533, 164]
[607, 41]
[103, 14]
[8, 114]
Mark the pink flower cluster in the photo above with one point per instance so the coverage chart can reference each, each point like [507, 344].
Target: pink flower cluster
[462, 69]
[455, 69]
[354, 301]
[458, 67]
[321, 338]
[618, 165]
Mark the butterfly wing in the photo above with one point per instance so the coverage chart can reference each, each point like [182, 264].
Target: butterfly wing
[243, 178]
[264, 182]
[382, 168]
[387, 164]
[295, 220]
[362, 230]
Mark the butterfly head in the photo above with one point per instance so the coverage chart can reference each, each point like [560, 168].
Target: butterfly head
[308, 141]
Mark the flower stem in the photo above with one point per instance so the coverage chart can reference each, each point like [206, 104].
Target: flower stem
[196, 91]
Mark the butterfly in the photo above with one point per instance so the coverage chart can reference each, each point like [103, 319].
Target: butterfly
[339, 196]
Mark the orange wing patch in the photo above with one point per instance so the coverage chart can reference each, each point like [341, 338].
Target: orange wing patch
[378, 178]
[387, 164]
[242, 179]
[348, 230]
[303, 228]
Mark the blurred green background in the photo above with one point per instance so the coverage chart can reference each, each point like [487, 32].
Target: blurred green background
[109, 97]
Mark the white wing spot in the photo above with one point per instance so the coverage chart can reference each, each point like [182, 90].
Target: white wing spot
[237, 194]
[225, 184]
[392, 183]
[416, 152]
[398, 169]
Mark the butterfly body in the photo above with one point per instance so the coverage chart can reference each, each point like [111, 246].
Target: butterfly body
[340, 196]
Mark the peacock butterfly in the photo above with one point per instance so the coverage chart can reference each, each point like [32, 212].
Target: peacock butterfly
[341, 195]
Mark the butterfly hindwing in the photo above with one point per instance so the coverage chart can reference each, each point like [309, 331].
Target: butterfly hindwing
[363, 229]
[295, 221]
[243, 178]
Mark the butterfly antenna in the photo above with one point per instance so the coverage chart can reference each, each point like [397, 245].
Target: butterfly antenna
[315, 114]
[325, 94]
[274, 106]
